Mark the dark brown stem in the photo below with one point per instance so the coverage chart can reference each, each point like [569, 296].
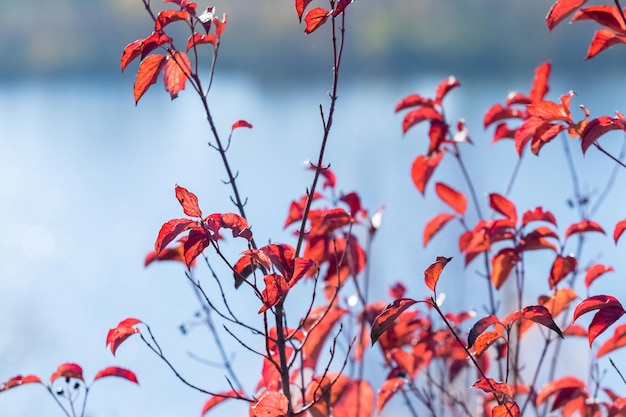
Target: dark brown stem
[604, 151]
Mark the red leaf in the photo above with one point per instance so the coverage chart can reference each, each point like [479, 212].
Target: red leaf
[241, 123]
[170, 230]
[538, 215]
[456, 200]
[618, 340]
[503, 206]
[142, 47]
[501, 266]
[553, 387]
[526, 132]
[539, 314]
[507, 409]
[270, 404]
[540, 83]
[490, 385]
[275, 288]
[318, 325]
[479, 328]
[220, 25]
[397, 290]
[414, 100]
[603, 39]
[444, 88]
[544, 134]
[432, 273]
[386, 318]
[583, 226]
[357, 396]
[315, 18]
[220, 397]
[165, 17]
[497, 112]
[341, 6]
[237, 224]
[548, 111]
[195, 244]
[598, 127]
[561, 267]
[609, 311]
[594, 271]
[123, 331]
[199, 39]
[388, 390]
[608, 16]
[177, 70]
[19, 380]
[435, 224]
[620, 226]
[117, 371]
[560, 10]
[485, 340]
[147, 74]
[417, 116]
[188, 201]
[68, 370]
[423, 168]
[300, 6]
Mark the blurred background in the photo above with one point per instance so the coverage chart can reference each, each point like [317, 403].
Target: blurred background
[87, 178]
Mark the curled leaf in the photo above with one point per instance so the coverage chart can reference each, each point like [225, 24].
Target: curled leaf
[386, 318]
[123, 331]
[118, 372]
[432, 273]
[68, 370]
[18, 381]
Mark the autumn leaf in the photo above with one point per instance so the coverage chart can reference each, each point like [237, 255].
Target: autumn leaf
[142, 47]
[490, 385]
[270, 404]
[387, 390]
[538, 214]
[582, 227]
[219, 398]
[387, 317]
[501, 266]
[341, 6]
[594, 271]
[200, 39]
[620, 226]
[413, 100]
[503, 206]
[598, 127]
[300, 6]
[18, 381]
[356, 400]
[539, 314]
[456, 200]
[177, 70]
[241, 123]
[480, 326]
[123, 331]
[560, 10]
[434, 225]
[609, 311]
[618, 340]
[485, 340]
[196, 243]
[561, 267]
[432, 273]
[444, 88]
[188, 201]
[68, 370]
[420, 115]
[170, 230]
[147, 75]
[315, 18]
[318, 325]
[507, 409]
[275, 288]
[540, 83]
[423, 168]
[118, 372]
[568, 384]
[602, 40]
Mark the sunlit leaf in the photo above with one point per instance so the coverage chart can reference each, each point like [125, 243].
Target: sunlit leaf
[318, 325]
[270, 404]
[620, 226]
[560, 10]
[617, 341]
[432, 273]
[444, 88]
[598, 127]
[118, 372]
[195, 244]
[414, 100]
[142, 47]
[594, 271]
[503, 206]
[387, 317]
[434, 225]
[341, 6]
[501, 266]
[200, 39]
[170, 230]
[241, 123]
[357, 400]
[497, 112]
[540, 83]
[217, 399]
[482, 342]
[275, 288]
[538, 214]
[561, 267]
[300, 6]
[491, 385]
[609, 311]
[506, 409]
[123, 331]
[423, 168]
[602, 40]
[480, 326]
[177, 71]
[420, 115]
[315, 18]
[539, 314]
[568, 383]
[453, 198]
[583, 226]
[68, 370]
[389, 388]
[18, 381]
[165, 17]
[188, 201]
[147, 75]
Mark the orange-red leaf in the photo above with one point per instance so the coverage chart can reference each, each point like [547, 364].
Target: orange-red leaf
[538, 215]
[482, 342]
[270, 404]
[68, 370]
[275, 288]
[507, 409]
[165, 17]
[199, 39]
[188, 201]
[598, 127]
[560, 10]
[142, 47]
[561, 267]
[123, 331]
[432, 273]
[609, 311]
[568, 384]
[241, 123]
[540, 83]
[315, 18]
[300, 6]
[603, 39]
[503, 206]
[386, 318]
[444, 88]
[548, 111]
[490, 385]
[389, 388]
[118, 372]
[357, 400]
[319, 324]
[583, 226]
[618, 340]
[417, 116]
[177, 70]
[219, 398]
[539, 314]
[414, 100]
[423, 168]
[148, 72]
[595, 271]
[502, 264]
[19, 380]
[435, 224]
[479, 328]
[170, 230]
[456, 200]
[620, 226]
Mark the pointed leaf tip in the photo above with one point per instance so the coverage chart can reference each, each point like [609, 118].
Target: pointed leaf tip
[432, 273]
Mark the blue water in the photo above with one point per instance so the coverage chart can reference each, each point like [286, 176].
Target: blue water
[87, 179]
